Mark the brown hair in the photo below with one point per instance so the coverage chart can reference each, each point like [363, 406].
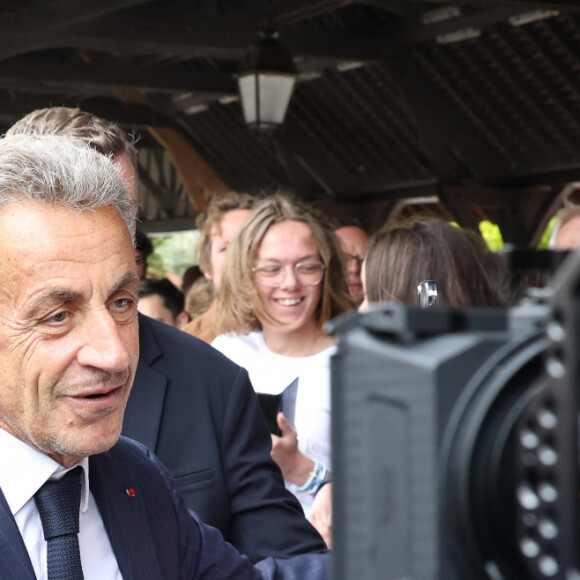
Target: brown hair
[209, 221]
[104, 136]
[241, 308]
[400, 256]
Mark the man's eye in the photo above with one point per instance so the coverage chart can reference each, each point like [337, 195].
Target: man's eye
[123, 309]
[58, 318]
[123, 303]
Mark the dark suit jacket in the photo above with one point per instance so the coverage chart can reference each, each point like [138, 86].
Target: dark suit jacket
[153, 535]
[198, 412]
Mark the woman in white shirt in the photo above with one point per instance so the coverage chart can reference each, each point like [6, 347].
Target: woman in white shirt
[283, 279]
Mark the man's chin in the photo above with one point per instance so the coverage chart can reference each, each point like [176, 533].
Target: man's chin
[89, 441]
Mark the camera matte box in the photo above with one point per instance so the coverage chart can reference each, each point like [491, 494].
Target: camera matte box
[409, 390]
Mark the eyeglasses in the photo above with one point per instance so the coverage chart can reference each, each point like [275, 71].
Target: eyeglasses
[306, 273]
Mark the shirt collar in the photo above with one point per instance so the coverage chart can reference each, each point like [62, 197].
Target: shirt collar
[34, 468]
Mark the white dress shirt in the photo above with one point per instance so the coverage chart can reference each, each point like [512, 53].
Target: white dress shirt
[24, 471]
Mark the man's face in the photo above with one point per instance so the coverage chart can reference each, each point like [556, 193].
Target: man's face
[68, 327]
[354, 242]
[154, 307]
[568, 238]
[220, 239]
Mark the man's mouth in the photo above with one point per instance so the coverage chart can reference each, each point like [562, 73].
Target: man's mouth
[109, 393]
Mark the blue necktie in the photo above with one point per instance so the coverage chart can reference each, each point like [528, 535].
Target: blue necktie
[58, 503]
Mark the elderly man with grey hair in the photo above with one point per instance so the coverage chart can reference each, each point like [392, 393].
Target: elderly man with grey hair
[76, 500]
[193, 407]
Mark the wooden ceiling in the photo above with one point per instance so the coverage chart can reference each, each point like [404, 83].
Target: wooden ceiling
[473, 103]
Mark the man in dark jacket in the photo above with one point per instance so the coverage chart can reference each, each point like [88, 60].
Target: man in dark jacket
[77, 502]
[193, 407]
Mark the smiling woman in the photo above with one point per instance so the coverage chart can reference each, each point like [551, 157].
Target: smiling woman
[282, 281]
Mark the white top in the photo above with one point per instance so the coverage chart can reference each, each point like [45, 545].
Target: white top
[30, 469]
[272, 373]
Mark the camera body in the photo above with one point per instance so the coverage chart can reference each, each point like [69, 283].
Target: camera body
[455, 441]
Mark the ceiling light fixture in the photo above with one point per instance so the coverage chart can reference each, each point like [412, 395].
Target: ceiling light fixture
[266, 82]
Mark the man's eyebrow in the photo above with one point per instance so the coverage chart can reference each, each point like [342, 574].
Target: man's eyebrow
[129, 279]
[63, 295]
[50, 296]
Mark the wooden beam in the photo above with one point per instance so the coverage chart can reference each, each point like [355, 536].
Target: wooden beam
[39, 72]
[230, 36]
[57, 14]
[21, 32]
[199, 179]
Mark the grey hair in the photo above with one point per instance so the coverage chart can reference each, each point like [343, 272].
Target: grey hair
[61, 171]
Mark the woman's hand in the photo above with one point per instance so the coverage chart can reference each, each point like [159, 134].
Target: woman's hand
[295, 466]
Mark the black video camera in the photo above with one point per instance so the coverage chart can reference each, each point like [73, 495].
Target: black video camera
[455, 440]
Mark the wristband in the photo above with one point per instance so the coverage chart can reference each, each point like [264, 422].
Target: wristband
[316, 478]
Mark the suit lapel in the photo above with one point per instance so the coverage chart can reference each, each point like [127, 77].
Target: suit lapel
[148, 394]
[14, 560]
[124, 516]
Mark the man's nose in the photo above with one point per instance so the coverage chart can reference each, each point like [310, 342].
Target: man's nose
[354, 265]
[103, 346]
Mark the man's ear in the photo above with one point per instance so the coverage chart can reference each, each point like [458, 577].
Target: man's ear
[182, 319]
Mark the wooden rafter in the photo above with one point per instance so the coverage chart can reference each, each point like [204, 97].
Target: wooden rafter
[198, 178]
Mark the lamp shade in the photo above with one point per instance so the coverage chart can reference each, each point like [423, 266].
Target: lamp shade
[266, 82]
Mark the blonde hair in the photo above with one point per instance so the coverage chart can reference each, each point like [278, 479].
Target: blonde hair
[240, 307]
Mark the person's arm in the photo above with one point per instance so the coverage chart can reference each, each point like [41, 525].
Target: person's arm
[296, 467]
[200, 550]
[218, 560]
[311, 476]
[205, 554]
[266, 519]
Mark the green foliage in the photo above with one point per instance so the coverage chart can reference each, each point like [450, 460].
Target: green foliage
[492, 235]
[543, 245]
[493, 238]
[172, 254]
